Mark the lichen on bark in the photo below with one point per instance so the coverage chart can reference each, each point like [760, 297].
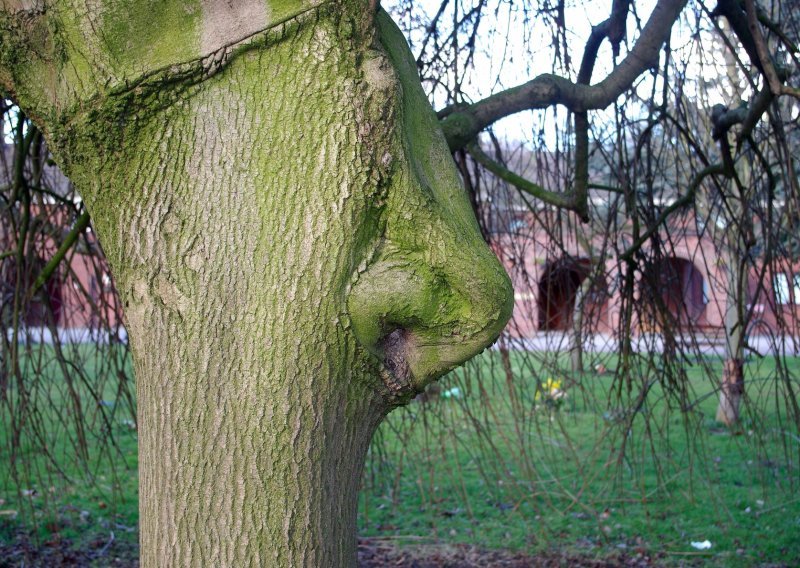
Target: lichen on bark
[296, 256]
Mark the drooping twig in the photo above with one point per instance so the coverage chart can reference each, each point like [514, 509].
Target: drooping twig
[684, 200]
[563, 200]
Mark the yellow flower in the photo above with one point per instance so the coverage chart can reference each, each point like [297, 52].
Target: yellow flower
[550, 388]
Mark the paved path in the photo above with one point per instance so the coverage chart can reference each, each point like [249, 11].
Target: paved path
[70, 335]
[654, 343]
[545, 341]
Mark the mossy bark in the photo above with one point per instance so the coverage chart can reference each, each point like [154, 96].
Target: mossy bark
[293, 247]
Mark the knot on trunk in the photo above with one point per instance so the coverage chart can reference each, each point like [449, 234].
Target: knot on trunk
[396, 372]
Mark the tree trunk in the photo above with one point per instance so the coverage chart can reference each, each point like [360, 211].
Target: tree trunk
[295, 254]
[576, 350]
[255, 407]
[732, 386]
[730, 395]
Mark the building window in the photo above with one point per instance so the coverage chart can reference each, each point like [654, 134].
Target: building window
[781, 285]
[796, 288]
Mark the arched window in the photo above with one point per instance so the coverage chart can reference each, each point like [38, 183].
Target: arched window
[673, 291]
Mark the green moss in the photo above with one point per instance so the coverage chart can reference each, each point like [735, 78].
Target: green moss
[24, 72]
[459, 128]
[427, 147]
[435, 278]
[150, 34]
[74, 62]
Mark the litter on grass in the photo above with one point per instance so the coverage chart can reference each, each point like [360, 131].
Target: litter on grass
[704, 545]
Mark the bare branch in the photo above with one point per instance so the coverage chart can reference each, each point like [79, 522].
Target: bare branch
[616, 30]
[566, 200]
[745, 23]
[748, 116]
[775, 84]
[548, 89]
[737, 19]
[52, 264]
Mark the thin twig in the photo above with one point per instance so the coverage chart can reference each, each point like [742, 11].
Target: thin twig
[566, 200]
[52, 264]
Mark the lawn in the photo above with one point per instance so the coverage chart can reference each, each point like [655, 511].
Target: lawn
[587, 463]
[502, 466]
[86, 487]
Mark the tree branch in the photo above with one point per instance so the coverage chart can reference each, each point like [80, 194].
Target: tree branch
[775, 28]
[599, 33]
[744, 19]
[566, 200]
[748, 116]
[775, 84]
[737, 19]
[461, 126]
[682, 201]
[616, 30]
[581, 118]
[69, 240]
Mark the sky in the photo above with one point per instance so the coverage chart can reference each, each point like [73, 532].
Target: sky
[526, 54]
[511, 53]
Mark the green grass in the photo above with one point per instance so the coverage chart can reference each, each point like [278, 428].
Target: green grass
[524, 475]
[61, 495]
[499, 466]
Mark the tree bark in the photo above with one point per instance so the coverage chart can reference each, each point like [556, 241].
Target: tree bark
[292, 244]
[576, 349]
[730, 396]
[732, 386]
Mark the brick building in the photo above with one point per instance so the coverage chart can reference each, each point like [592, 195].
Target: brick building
[684, 285]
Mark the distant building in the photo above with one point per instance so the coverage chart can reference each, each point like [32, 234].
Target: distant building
[687, 281]
[80, 295]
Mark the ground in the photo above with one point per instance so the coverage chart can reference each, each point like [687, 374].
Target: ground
[372, 553]
[481, 474]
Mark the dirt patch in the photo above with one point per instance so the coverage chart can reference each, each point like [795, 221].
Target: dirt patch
[58, 553]
[372, 553]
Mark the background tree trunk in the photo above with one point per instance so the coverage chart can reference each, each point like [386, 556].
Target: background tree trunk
[732, 387]
[576, 349]
[735, 253]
